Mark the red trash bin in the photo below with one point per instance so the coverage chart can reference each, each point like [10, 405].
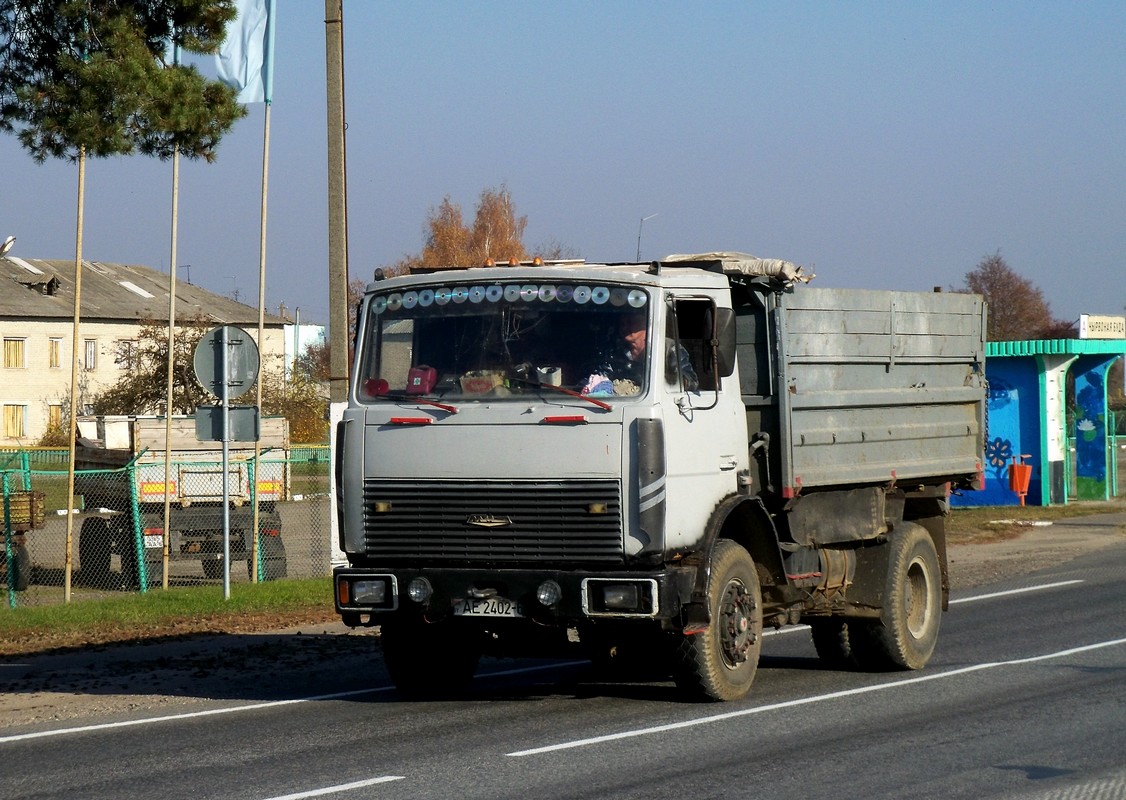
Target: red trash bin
[1020, 475]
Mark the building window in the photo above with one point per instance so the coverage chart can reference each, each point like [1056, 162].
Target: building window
[14, 421]
[55, 415]
[126, 354]
[13, 353]
[54, 353]
[90, 362]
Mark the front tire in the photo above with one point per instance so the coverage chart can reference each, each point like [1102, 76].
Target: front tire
[720, 663]
[628, 654]
[428, 660]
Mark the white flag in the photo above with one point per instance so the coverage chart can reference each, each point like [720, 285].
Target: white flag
[245, 60]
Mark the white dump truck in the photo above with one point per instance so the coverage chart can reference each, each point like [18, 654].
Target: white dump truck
[651, 462]
[120, 477]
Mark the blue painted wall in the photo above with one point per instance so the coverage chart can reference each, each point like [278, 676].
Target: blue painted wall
[1091, 477]
[1014, 415]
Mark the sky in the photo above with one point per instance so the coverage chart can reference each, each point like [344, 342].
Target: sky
[880, 145]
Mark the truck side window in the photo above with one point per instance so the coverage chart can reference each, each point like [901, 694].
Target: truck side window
[688, 353]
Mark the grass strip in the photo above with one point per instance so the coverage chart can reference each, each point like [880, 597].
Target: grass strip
[165, 613]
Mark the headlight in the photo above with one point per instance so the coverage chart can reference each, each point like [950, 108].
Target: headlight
[419, 590]
[549, 593]
[369, 593]
[620, 597]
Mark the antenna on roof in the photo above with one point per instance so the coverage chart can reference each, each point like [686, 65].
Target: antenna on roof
[4, 248]
[640, 225]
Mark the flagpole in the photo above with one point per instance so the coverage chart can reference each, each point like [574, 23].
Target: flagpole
[246, 63]
[68, 556]
[173, 258]
[267, 98]
[261, 326]
[171, 364]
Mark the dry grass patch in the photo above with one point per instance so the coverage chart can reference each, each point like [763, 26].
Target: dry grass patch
[999, 523]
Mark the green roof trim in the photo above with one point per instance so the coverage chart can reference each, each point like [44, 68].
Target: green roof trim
[1040, 347]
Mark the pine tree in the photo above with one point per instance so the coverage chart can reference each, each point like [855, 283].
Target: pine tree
[96, 76]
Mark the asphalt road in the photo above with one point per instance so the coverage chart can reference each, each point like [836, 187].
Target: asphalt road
[1024, 698]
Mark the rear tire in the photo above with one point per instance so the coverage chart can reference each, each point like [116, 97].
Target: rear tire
[274, 568]
[21, 568]
[907, 631]
[832, 639]
[428, 660]
[131, 574]
[720, 663]
[272, 554]
[95, 541]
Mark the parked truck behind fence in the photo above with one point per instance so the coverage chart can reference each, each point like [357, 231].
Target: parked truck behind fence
[650, 463]
[121, 479]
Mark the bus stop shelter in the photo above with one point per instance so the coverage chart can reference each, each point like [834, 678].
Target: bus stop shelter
[1028, 421]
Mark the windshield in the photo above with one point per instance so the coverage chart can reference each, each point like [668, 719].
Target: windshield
[502, 341]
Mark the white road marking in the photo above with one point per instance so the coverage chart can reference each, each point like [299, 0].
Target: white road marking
[128, 723]
[343, 787]
[746, 712]
[785, 630]
[252, 707]
[991, 595]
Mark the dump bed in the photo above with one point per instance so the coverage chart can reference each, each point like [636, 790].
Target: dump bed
[196, 473]
[878, 387]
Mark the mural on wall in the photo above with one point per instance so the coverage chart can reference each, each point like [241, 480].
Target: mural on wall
[999, 450]
[998, 456]
[1002, 442]
[1090, 436]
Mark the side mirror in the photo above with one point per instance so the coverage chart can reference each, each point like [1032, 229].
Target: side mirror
[725, 337]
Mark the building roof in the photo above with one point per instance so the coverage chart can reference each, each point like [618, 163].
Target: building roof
[42, 289]
[1043, 347]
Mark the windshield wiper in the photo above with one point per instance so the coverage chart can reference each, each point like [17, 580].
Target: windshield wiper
[414, 398]
[600, 403]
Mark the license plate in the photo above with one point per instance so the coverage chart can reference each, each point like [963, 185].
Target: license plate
[154, 540]
[492, 607]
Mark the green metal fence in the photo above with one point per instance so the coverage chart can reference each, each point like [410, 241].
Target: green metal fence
[118, 537]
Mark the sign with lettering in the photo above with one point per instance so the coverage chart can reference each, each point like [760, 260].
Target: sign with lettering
[1100, 327]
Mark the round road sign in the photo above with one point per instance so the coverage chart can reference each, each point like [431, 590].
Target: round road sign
[231, 376]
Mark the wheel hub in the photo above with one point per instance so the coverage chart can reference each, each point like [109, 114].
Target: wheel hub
[737, 614]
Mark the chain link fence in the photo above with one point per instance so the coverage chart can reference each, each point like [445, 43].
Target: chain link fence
[123, 536]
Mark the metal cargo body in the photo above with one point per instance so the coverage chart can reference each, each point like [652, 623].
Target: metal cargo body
[878, 387]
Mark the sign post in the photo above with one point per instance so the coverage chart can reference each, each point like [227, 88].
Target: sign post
[226, 363]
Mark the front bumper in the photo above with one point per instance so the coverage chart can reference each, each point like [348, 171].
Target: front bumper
[363, 595]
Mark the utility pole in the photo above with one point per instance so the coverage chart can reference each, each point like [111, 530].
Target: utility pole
[337, 204]
[337, 243]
